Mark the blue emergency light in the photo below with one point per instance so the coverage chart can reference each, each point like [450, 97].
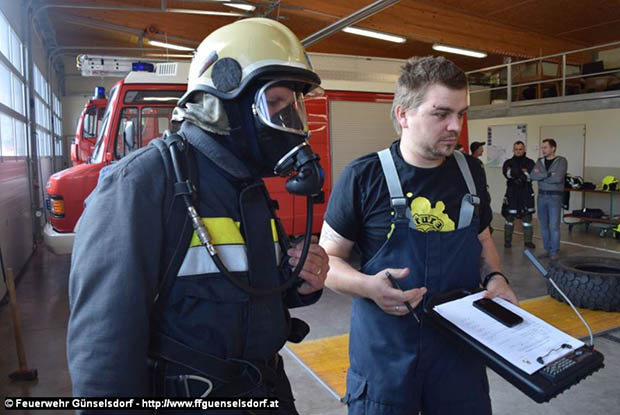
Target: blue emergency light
[143, 67]
[99, 92]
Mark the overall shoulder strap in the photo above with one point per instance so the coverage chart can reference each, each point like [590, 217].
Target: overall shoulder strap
[397, 199]
[470, 201]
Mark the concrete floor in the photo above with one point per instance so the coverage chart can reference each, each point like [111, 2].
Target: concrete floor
[42, 294]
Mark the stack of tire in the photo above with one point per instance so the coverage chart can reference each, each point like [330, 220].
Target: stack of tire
[589, 282]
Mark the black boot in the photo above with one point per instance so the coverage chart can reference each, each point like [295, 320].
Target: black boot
[530, 245]
[507, 244]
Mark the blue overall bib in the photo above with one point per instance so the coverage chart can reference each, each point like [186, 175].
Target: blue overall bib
[400, 366]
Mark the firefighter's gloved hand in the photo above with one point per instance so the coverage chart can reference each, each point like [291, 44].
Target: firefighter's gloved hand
[315, 268]
[390, 299]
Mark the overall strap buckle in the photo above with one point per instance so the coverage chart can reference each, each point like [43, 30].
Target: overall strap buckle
[399, 204]
[397, 199]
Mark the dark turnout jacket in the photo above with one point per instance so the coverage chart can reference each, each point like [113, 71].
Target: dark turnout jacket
[519, 197]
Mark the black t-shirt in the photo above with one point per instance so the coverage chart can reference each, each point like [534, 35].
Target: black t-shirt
[359, 206]
[548, 163]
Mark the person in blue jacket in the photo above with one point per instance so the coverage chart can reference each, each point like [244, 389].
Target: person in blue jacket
[160, 310]
[415, 212]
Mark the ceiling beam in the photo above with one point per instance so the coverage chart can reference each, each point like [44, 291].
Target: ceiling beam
[100, 24]
[351, 19]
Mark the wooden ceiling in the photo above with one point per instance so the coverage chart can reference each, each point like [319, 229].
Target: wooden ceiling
[502, 28]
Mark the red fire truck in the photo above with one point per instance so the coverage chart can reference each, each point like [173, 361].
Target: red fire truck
[139, 111]
[88, 127]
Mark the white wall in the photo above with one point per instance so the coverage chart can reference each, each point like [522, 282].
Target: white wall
[610, 58]
[602, 141]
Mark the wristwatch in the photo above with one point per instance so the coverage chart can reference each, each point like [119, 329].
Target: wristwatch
[490, 275]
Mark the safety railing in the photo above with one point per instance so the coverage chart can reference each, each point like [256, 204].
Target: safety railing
[585, 71]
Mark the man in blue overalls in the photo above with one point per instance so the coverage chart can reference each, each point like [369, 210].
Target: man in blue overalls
[413, 211]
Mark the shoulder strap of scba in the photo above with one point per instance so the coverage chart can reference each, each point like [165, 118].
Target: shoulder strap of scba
[178, 229]
[177, 218]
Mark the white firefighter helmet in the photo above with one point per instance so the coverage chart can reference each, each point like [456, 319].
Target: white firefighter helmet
[256, 48]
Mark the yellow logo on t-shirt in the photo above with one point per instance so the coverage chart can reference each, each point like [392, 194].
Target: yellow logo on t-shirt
[427, 218]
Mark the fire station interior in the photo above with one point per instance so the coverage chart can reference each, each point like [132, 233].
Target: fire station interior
[536, 70]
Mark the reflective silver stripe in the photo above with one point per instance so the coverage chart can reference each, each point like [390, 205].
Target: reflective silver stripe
[508, 223]
[512, 211]
[527, 225]
[197, 261]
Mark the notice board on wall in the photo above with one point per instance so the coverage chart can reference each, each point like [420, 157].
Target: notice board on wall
[500, 139]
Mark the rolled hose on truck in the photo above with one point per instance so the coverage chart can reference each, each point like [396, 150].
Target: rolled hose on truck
[588, 281]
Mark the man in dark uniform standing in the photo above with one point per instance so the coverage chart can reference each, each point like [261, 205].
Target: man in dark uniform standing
[476, 150]
[159, 310]
[415, 213]
[519, 197]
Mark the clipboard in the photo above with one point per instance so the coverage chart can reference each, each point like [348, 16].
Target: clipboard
[539, 386]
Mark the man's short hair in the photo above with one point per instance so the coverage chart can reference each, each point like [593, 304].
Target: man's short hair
[551, 142]
[419, 73]
[519, 142]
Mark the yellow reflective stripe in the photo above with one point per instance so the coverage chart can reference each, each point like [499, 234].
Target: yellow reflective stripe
[274, 230]
[225, 231]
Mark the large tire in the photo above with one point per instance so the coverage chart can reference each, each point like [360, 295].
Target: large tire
[589, 282]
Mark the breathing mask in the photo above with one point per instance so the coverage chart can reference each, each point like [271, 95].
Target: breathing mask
[282, 132]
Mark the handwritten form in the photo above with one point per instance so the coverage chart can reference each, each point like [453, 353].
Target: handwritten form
[521, 345]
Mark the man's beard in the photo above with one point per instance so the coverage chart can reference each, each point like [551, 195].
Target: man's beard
[433, 153]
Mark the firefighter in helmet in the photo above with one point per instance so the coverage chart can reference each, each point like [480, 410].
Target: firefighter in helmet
[169, 306]
[519, 197]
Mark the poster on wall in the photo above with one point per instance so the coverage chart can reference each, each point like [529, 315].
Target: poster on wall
[500, 139]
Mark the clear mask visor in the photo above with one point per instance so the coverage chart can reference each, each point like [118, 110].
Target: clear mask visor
[280, 105]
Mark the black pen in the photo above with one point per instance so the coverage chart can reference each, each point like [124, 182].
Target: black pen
[395, 285]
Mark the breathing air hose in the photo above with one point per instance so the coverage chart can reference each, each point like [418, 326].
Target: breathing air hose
[205, 238]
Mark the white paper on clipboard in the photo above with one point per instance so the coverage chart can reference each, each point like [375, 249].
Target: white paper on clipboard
[520, 345]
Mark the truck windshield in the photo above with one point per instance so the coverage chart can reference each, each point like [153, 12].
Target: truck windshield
[92, 122]
[97, 156]
[144, 115]
[152, 122]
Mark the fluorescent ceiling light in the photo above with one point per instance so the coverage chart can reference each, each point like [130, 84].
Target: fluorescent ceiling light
[167, 55]
[459, 51]
[207, 12]
[242, 6]
[170, 45]
[376, 35]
